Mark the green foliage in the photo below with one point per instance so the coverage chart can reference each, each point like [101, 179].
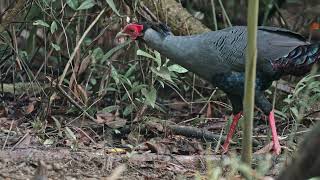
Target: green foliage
[305, 95]
[113, 7]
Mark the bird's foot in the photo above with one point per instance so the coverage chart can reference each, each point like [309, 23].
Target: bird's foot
[276, 148]
[225, 148]
[232, 128]
[275, 139]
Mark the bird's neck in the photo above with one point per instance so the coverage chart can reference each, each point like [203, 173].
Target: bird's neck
[154, 39]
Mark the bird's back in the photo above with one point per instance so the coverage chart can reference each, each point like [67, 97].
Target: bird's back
[272, 43]
[224, 51]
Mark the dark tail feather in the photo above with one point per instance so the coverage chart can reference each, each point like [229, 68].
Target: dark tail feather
[299, 61]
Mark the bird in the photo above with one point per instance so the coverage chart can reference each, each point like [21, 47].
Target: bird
[219, 58]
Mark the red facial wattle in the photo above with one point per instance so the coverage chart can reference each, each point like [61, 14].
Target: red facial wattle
[134, 30]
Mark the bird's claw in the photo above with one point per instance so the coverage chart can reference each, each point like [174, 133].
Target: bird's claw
[276, 148]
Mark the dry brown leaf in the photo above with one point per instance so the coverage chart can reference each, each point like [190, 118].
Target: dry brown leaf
[110, 120]
[103, 117]
[25, 142]
[84, 65]
[30, 108]
[117, 123]
[265, 149]
[209, 111]
[158, 148]
[83, 94]
[178, 105]
[3, 112]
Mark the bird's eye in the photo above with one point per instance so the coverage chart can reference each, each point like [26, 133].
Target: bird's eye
[131, 30]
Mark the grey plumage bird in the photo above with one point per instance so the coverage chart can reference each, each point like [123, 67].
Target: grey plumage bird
[219, 57]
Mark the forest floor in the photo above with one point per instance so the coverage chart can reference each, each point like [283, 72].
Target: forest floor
[69, 147]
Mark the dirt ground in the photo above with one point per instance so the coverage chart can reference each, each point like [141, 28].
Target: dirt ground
[32, 163]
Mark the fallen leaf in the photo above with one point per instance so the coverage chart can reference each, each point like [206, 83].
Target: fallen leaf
[209, 111]
[81, 93]
[84, 64]
[116, 150]
[30, 108]
[103, 117]
[110, 120]
[25, 142]
[265, 149]
[3, 112]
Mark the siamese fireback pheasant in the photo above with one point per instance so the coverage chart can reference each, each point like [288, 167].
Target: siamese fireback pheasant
[219, 57]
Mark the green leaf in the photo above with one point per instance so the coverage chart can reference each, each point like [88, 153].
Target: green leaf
[113, 7]
[73, 4]
[150, 96]
[128, 110]
[53, 27]
[113, 50]
[137, 88]
[70, 134]
[55, 47]
[41, 23]
[295, 112]
[48, 142]
[93, 81]
[147, 55]
[97, 53]
[87, 4]
[130, 70]
[177, 68]
[115, 75]
[110, 109]
[163, 73]
[158, 58]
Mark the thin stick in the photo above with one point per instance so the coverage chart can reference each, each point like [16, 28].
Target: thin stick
[5, 142]
[250, 75]
[78, 46]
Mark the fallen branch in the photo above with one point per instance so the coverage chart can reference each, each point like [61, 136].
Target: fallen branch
[194, 132]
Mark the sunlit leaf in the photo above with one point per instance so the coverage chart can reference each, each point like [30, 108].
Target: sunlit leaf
[41, 23]
[177, 68]
[73, 4]
[163, 73]
[87, 4]
[55, 47]
[53, 27]
[70, 134]
[113, 6]
[115, 75]
[147, 55]
[150, 96]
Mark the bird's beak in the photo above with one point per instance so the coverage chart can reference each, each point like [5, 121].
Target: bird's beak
[121, 34]
[121, 37]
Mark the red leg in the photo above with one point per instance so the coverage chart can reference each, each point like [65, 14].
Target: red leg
[275, 140]
[231, 131]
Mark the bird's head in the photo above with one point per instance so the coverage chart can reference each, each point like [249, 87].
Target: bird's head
[132, 30]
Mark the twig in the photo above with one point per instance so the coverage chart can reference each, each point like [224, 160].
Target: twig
[140, 113]
[78, 46]
[5, 142]
[20, 141]
[194, 132]
[72, 101]
[69, 63]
